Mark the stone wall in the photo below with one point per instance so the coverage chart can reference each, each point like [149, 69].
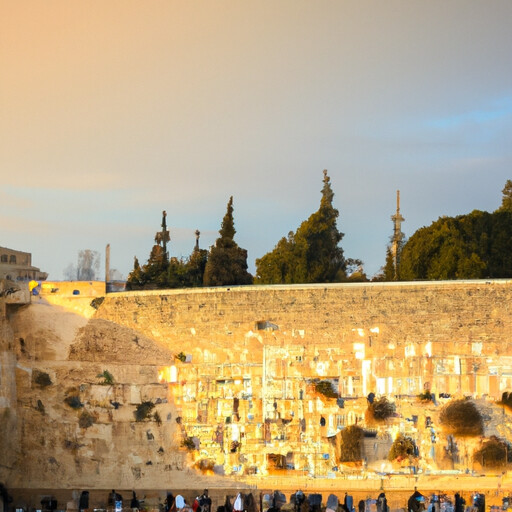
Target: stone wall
[232, 374]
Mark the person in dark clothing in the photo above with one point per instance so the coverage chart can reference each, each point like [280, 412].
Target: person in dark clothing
[299, 501]
[134, 503]
[113, 498]
[415, 502]
[460, 502]
[228, 507]
[169, 502]
[382, 503]
[348, 502]
[205, 502]
[361, 506]
[479, 501]
[83, 503]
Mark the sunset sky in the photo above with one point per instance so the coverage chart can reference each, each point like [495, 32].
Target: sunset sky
[112, 111]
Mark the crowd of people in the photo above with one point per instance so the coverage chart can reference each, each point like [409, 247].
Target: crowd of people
[299, 502]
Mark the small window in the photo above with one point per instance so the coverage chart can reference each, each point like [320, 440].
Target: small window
[76, 292]
[4, 258]
[12, 258]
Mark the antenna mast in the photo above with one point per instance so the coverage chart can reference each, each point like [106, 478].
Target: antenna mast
[398, 236]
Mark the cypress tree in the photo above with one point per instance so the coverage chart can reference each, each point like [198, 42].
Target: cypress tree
[312, 253]
[227, 263]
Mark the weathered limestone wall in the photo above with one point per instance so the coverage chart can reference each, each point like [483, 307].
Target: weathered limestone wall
[399, 320]
[251, 356]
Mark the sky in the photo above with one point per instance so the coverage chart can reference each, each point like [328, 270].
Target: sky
[113, 111]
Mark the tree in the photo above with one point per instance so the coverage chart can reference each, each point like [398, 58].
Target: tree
[312, 253]
[470, 246]
[87, 267]
[227, 263]
[196, 266]
[506, 201]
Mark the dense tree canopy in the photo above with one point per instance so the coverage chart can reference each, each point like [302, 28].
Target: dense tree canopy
[312, 253]
[506, 202]
[163, 272]
[227, 263]
[471, 246]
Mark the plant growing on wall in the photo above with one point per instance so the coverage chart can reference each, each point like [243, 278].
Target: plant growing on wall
[494, 453]
[426, 396]
[86, 420]
[188, 443]
[107, 377]
[403, 446]
[97, 302]
[157, 418]
[42, 379]
[143, 411]
[324, 387]
[381, 409]
[73, 398]
[181, 357]
[351, 444]
[462, 418]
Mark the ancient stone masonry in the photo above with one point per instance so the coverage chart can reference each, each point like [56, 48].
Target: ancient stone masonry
[155, 386]
[246, 390]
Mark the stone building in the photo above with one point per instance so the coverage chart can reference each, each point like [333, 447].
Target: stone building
[17, 266]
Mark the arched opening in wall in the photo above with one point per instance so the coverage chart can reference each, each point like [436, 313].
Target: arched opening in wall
[3, 258]
[12, 258]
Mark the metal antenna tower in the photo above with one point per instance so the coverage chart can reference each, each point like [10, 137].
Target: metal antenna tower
[398, 236]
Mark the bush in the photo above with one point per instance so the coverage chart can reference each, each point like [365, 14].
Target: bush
[351, 444]
[85, 420]
[143, 411]
[494, 453]
[188, 443]
[73, 401]
[181, 357]
[324, 387]
[97, 302]
[427, 396]
[107, 377]
[381, 409]
[462, 418]
[42, 379]
[157, 418]
[403, 446]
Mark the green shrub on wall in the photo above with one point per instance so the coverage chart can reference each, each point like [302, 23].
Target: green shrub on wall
[324, 387]
[351, 445]
[403, 446]
[462, 418]
[42, 379]
[86, 420]
[143, 411]
[494, 453]
[381, 409]
[107, 377]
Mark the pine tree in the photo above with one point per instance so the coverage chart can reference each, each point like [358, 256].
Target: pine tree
[312, 253]
[227, 263]
[135, 277]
